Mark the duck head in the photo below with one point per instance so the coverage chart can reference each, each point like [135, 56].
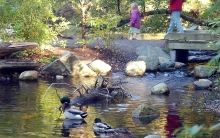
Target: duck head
[65, 99]
[97, 120]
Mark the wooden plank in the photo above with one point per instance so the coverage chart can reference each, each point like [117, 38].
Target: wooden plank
[191, 36]
[191, 46]
[197, 32]
[9, 48]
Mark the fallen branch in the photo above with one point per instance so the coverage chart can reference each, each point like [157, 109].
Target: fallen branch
[164, 11]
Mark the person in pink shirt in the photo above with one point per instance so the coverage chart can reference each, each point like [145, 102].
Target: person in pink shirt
[135, 22]
[175, 8]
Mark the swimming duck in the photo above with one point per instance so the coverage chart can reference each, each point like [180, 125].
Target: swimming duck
[71, 113]
[101, 127]
[71, 123]
[105, 130]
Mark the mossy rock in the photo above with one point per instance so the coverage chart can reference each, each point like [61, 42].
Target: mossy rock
[145, 111]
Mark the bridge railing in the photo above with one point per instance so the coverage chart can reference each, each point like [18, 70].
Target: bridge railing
[192, 40]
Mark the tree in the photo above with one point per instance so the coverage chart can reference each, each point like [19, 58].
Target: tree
[31, 20]
[83, 23]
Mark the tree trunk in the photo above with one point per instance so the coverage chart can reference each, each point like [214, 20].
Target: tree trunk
[118, 5]
[83, 6]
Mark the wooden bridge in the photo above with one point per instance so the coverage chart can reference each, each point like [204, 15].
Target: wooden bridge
[181, 43]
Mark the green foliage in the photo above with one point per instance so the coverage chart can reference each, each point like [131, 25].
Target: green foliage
[156, 23]
[212, 9]
[215, 61]
[17, 54]
[21, 54]
[194, 131]
[32, 20]
[47, 59]
[104, 26]
[34, 54]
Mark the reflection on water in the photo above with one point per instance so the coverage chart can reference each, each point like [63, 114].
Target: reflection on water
[23, 115]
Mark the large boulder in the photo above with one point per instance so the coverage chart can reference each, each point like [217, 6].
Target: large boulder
[80, 69]
[68, 65]
[150, 54]
[144, 114]
[203, 71]
[160, 88]
[166, 64]
[148, 50]
[100, 67]
[150, 61]
[68, 59]
[29, 75]
[144, 110]
[135, 68]
[55, 68]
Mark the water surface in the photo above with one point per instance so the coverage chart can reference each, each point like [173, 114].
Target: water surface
[24, 114]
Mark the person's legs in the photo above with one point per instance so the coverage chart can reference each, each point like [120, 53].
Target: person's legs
[131, 36]
[172, 24]
[178, 23]
[138, 36]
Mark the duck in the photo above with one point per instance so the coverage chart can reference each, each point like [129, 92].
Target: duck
[100, 127]
[71, 113]
[105, 130]
[72, 123]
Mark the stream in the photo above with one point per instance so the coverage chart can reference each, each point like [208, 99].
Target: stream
[25, 114]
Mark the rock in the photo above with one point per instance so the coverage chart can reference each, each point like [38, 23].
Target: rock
[162, 60]
[147, 50]
[135, 68]
[203, 71]
[166, 64]
[150, 61]
[144, 114]
[160, 89]
[203, 83]
[144, 110]
[68, 65]
[29, 75]
[153, 136]
[80, 69]
[55, 68]
[68, 59]
[178, 65]
[100, 67]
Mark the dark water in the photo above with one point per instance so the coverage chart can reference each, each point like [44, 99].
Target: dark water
[23, 113]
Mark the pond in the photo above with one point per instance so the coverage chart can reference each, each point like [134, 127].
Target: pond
[25, 114]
